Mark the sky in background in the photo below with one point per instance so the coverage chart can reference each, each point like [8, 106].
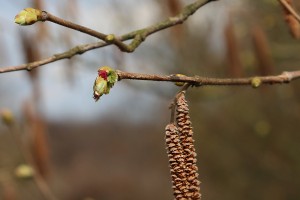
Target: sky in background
[62, 100]
[74, 101]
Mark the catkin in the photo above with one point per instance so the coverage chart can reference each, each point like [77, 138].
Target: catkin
[187, 142]
[176, 162]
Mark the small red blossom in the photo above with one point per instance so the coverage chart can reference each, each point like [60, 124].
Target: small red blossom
[103, 74]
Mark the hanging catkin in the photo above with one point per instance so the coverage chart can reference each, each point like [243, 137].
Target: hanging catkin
[187, 142]
[176, 162]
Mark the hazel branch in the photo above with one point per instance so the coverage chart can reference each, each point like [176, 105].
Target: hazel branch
[107, 38]
[289, 8]
[186, 12]
[77, 50]
[138, 37]
[284, 77]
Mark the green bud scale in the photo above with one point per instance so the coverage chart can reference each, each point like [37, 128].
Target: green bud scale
[104, 82]
[28, 16]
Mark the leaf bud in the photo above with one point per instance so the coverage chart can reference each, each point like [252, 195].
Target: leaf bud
[7, 117]
[179, 83]
[28, 16]
[255, 82]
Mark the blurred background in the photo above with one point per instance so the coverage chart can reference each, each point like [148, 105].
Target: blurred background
[247, 140]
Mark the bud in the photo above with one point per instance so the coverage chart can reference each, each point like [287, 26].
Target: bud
[24, 171]
[112, 76]
[7, 117]
[100, 88]
[28, 16]
[110, 37]
[104, 82]
[179, 83]
[255, 82]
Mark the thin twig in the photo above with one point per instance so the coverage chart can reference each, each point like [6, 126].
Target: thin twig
[284, 77]
[49, 17]
[138, 37]
[290, 9]
[172, 106]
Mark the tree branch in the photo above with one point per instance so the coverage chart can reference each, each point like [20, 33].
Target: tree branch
[284, 77]
[107, 38]
[138, 37]
[288, 7]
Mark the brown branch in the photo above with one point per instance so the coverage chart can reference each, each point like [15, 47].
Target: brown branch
[80, 49]
[171, 21]
[288, 7]
[107, 38]
[138, 37]
[284, 77]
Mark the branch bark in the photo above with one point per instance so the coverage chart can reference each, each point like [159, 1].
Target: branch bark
[107, 38]
[284, 77]
[138, 37]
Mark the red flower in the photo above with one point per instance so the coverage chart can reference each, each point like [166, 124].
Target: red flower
[103, 74]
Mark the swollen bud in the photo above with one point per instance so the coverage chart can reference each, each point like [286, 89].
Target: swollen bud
[112, 75]
[179, 83]
[255, 82]
[100, 88]
[7, 117]
[28, 16]
[104, 82]
[110, 37]
[24, 171]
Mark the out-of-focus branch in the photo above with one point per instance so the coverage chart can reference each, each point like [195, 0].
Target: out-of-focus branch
[9, 120]
[290, 9]
[291, 17]
[138, 37]
[284, 77]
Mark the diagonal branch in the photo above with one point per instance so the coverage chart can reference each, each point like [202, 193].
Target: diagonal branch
[138, 37]
[185, 13]
[288, 7]
[107, 38]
